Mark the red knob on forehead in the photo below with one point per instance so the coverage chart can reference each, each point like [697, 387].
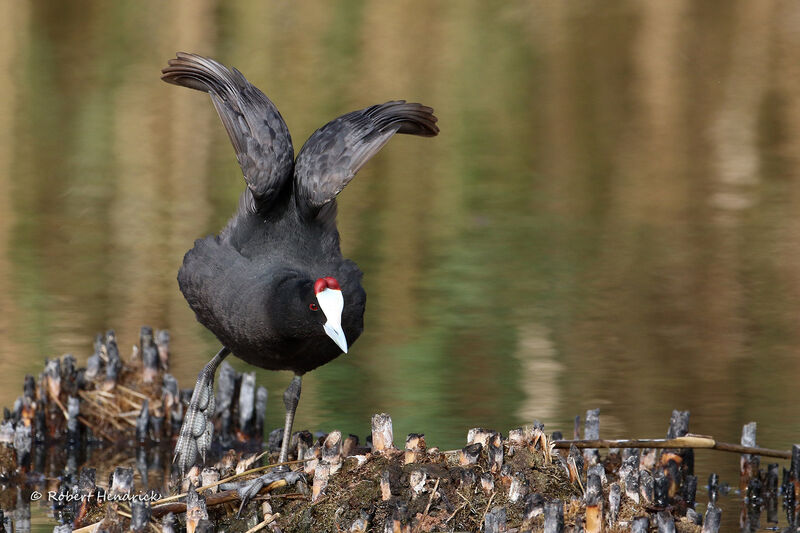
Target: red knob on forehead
[320, 285]
[326, 283]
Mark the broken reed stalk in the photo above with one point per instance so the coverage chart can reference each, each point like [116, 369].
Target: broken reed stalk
[382, 433]
[689, 441]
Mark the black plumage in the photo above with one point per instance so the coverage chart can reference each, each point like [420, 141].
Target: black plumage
[256, 285]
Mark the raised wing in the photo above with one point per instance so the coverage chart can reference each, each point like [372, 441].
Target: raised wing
[256, 129]
[335, 152]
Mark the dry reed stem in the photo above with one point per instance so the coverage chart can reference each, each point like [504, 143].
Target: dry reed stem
[430, 500]
[489, 503]
[263, 524]
[688, 441]
[131, 391]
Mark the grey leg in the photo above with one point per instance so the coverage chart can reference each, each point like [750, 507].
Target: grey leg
[251, 488]
[197, 428]
[290, 399]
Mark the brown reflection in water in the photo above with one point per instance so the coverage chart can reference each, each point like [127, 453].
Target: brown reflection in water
[666, 285]
[12, 25]
[539, 364]
[781, 134]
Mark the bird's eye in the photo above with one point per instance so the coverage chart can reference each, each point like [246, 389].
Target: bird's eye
[313, 307]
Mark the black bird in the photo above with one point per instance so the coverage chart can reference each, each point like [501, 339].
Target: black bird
[273, 285]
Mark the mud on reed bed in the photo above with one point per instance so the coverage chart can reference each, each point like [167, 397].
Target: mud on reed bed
[121, 417]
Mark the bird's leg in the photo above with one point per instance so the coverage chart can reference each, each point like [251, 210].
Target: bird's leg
[283, 473]
[291, 397]
[195, 435]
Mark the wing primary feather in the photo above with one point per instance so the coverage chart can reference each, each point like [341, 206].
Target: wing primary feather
[255, 127]
[335, 152]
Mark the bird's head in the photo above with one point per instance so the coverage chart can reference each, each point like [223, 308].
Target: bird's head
[330, 302]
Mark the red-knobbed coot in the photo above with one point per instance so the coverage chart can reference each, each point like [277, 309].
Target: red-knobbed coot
[273, 285]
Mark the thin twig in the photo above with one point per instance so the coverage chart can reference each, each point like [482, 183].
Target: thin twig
[259, 456]
[130, 402]
[483, 518]
[101, 432]
[290, 496]
[571, 462]
[131, 391]
[99, 404]
[263, 524]
[462, 497]
[467, 502]
[100, 398]
[455, 512]
[58, 402]
[430, 500]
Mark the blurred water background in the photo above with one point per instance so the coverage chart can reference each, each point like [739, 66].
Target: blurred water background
[609, 218]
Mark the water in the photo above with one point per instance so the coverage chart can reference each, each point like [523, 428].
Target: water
[607, 219]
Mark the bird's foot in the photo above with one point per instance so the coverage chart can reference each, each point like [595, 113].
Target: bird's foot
[247, 490]
[197, 428]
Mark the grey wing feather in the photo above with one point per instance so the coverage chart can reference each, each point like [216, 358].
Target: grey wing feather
[256, 129]
[334, 153]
